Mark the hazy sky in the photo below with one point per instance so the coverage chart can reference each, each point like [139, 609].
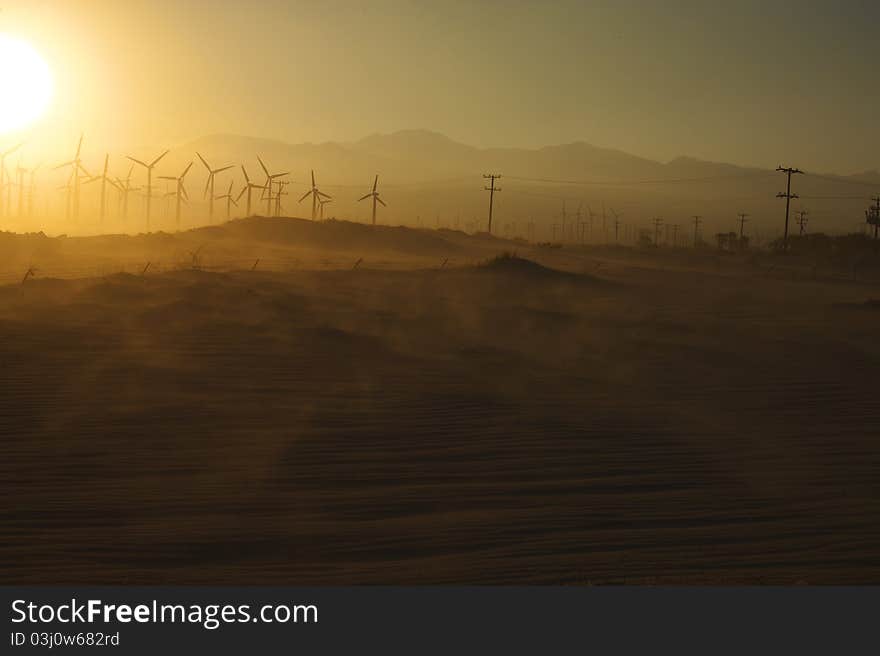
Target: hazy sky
[751, 82]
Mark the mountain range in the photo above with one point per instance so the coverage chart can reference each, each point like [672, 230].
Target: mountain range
[430, 179]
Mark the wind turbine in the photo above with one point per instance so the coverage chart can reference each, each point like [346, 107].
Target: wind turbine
[375, 196]
[76, 164]
[230, 201]
[592, 216]
[179, 193]
[20, 170]
[125, 188]
[270, 178]
[68, 188]
[149, 168]
[249, 187]
[3, 157]
[316, 195]
[32, 189]
[616, 222]
[209, 185]
[321, 204]
[104, 180]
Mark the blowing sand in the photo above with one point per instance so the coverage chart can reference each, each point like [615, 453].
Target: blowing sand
[605, 416]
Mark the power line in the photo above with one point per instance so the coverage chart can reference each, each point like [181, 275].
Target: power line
[615, 183]
[829, 178]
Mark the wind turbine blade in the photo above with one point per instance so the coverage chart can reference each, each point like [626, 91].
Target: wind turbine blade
[61, 166]
[265, 170]
[364, 197]
[233, 201]
[166, 177]
[241, 193]
[183, 191]
[225, 168]
[230, 186]
[137, 161]
[156, 161]
[14, 148]
[381, 201]
[321, 193]
[313, 178]
[305, 195]
[186, 170]
[243, 170]
[80, 144]
[207, 185]
[203, 161]
[375, 182]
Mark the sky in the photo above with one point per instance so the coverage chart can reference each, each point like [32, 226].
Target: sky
[747, 82]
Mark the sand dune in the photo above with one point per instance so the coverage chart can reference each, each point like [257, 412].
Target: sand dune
[597, 418]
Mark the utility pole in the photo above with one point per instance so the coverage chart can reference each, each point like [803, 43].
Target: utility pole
[563, 220]
[657, 223]
[491, 189]
[873, 216]
[802, 221]
[697, 221]
[787, 196]
[742, 223]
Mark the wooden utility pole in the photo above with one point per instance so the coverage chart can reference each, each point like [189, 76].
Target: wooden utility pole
[492, 177]
[697, 221]
[787, 196]
[742, 223]
[657, 223]
[802, 221]
[873, 215]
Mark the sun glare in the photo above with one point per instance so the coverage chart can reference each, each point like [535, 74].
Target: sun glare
[25, 84]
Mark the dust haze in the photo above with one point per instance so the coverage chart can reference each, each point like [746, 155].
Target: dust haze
[290, 305]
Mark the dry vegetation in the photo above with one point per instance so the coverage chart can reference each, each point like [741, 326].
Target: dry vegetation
[586, 416]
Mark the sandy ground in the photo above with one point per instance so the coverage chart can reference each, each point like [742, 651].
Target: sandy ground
[621, 417]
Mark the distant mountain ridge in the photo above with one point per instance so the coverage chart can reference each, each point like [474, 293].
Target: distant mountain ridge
[424, 151]
[428, 179]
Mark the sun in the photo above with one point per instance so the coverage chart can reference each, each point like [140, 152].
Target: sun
[25, 84]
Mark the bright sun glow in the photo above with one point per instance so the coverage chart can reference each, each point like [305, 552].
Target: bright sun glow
[25, 84]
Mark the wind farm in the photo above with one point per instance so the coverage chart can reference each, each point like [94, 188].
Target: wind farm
[583, 332]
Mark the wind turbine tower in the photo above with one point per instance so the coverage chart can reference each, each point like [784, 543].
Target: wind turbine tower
[104, 180]
[3, 183]
[316, 195]
[209, 185]
[270, 179]
[375, 196]
[230, 201]
[179, 193]
[248, 187]
[77, 167]
[149, 189]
